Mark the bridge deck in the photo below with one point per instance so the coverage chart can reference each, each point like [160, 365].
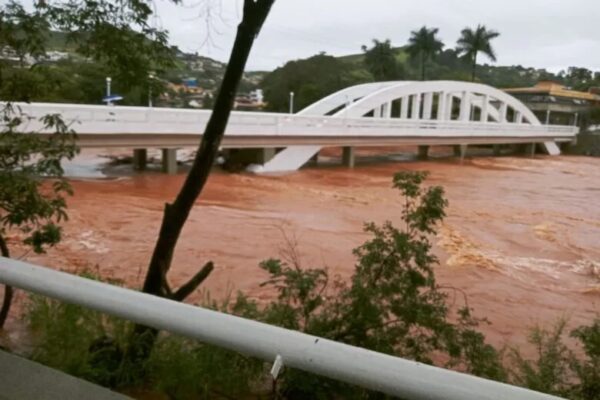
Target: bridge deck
[102, 126]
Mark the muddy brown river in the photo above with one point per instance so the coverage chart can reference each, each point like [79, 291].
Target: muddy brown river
[522, 235]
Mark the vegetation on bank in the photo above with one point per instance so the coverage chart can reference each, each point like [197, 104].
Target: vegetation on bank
[391, 304]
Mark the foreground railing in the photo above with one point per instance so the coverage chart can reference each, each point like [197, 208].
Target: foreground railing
[392, 375]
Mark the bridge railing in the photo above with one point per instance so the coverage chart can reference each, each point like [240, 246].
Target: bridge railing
[391, 375]
[143, 120]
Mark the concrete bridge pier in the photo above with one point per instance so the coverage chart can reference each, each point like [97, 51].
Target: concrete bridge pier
[460, 151]
[169, 161]
[423, 153]
[531, 149]
[497, 150]
[140, 159]
[348, 157]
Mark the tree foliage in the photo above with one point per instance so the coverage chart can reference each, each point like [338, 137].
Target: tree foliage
[392, 303]
[472, 42]
[381, 61]
[423, 45]
[105, 38]
[31, 206]
[114, 34]
[310, 80]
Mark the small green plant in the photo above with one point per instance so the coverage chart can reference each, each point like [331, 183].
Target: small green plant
[587, 368]
[90, 345]
[80, 342]
[548, 373]
[558, 370]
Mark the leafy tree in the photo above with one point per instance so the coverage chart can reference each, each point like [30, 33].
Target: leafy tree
[310, 80]
[33, 190]
[472, 42]
[115, 36]
[381, 61]
[29, 204]
[424, 45]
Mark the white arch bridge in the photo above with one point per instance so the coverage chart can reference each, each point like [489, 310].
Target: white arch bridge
[372, 114]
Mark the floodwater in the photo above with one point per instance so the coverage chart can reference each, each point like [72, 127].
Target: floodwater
[521, 238]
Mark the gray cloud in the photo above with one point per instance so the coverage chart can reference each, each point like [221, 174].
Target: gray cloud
[551, 34]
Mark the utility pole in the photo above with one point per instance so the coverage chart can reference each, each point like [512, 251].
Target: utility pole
[108, 81]
[150, 78]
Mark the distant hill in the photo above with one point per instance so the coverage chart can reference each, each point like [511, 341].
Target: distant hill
[207, 71]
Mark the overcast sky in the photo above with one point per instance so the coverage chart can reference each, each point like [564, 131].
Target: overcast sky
[552, 34]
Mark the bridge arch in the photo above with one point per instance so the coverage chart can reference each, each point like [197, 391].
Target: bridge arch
[429, 100]
[417, 100]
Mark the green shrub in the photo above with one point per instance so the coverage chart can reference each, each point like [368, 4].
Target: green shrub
[392, 303]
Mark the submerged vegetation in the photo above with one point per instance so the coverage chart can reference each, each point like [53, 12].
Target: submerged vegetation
[391, 304]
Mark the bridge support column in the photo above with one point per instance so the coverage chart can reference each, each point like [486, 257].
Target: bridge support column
[348, 157]
[423, 153]
[169, 161]
[140, 159]
[460, 151]
[497, 150]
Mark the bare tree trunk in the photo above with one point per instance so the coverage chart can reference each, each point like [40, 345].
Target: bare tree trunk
[175, 214]
[8, 290]
[474, 68]
[423, 60]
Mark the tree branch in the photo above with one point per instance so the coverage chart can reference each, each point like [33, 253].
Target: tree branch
[185, 290]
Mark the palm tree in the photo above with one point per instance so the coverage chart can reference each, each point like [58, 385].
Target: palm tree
[472, 42]
[423, 45]
[381, 60]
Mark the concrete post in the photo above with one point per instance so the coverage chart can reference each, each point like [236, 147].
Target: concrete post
[423, 153]
[503, 111]
[531, 149]
[387, 110]
[518, 117]
[428, 105]
[415, 113]
[140, 159]
[485, 108]
[404, 107]
[169, 161]
[449, 106]
[460, 151]
[547, 117]
[348, 158]
[267, 154]
[441, 111]
[465, 106]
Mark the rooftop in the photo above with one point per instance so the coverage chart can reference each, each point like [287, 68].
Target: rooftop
[551, 88]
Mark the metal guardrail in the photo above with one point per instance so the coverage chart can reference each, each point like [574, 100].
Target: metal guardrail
[391, 375]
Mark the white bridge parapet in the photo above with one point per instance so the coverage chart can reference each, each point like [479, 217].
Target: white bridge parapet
[374, 114]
